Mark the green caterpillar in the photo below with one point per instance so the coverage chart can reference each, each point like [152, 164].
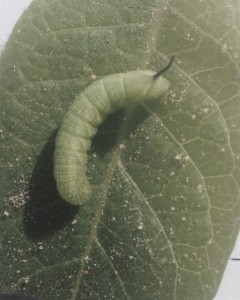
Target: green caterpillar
[87, 111]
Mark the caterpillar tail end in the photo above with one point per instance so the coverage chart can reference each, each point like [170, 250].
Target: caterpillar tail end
[81, 197]
[74, 196]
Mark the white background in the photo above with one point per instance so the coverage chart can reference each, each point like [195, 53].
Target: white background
[10, 11]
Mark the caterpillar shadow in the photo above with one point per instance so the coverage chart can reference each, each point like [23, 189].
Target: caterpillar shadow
[46, 212]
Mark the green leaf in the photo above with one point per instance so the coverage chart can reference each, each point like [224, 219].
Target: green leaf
[164, 213]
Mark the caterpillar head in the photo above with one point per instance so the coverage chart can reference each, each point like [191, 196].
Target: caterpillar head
[159, 85]
[146, 85]
[155, 86]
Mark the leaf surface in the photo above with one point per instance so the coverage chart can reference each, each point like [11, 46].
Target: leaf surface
[164, 213]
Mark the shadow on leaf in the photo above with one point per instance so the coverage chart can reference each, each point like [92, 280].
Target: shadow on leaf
[46, 212]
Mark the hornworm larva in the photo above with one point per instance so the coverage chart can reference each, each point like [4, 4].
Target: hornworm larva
[87, 111]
